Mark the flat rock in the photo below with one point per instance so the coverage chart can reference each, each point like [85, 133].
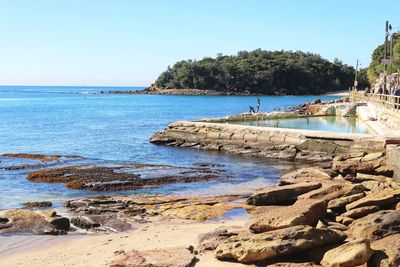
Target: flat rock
[334, 189]
[376, 225]
[210, 241]
[353, 167]
[38, 204]
[387, 251]
[294, 264]
[360, 212]
[381, 199]
[303, 212]
[281, 194]
[249, 248]
[313, 156]
[350, 254]
[346, 156]
[372, 156]
[304, 175]
[370, 177]
[343, 201]
[168, 257]
[376, 186]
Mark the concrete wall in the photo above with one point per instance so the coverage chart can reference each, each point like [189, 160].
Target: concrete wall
[393, 157]
[237, 138]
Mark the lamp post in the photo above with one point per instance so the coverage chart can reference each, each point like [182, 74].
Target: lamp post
[355, 77]
[388, 28]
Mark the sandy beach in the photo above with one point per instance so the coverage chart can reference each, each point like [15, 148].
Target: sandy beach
[98, 250]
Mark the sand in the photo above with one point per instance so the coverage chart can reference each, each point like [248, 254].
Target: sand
[98, 250]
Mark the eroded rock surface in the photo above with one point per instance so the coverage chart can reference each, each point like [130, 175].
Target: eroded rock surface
[303, 212]
[387, 251]
[247, 247]
[382, 199]
[281, 194]
[124, 177]
[376, 225]
[168, 257]
[350, 254]
[210, 241]
[303, 175]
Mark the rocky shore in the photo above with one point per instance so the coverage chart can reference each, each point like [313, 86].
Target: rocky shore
[344, 215]
[193, 92]
[155, 91]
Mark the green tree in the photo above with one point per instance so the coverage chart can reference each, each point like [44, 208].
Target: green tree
[260, 72]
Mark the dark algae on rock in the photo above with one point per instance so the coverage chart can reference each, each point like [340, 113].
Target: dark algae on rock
[122, 177]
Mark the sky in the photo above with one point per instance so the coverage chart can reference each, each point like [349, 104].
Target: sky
[130, 42]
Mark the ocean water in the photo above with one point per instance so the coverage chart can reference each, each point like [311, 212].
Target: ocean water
[114, 129]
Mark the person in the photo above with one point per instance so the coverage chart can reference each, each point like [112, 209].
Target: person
[258, 105]
[251, 109]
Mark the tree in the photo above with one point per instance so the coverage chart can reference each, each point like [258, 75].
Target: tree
[260, 72]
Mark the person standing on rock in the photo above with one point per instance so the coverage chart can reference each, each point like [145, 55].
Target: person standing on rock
[258, 105]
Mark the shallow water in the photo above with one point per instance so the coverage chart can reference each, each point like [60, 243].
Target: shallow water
[113, 129]
[326, 123]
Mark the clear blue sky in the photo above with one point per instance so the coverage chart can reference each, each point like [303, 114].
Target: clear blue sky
[129, 42]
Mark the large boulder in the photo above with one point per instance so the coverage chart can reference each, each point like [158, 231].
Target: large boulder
[387, 252]
[304, 175]
[350, 254]
[248, 248]
[280, 194]
[382, 199]
[376, 225]
[84, 222]
[303, 212]
[26, 221]
[168, 257]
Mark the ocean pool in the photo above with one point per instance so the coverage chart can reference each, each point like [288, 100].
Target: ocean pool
[322, 123]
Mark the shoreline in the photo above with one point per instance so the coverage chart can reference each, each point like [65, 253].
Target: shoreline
[98, 250]
[201, 92]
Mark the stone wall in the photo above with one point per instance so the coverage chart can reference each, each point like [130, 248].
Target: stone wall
[278, 143]
[393, 157]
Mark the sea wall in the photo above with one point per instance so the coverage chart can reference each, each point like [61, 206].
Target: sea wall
[393, 158]
[277, 143]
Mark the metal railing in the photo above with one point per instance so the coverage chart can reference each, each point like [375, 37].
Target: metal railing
[387, 101]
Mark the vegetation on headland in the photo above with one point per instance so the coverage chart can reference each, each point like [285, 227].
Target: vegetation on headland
[376, 67]
[260, 72]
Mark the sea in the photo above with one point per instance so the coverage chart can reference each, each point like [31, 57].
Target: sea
[115, 129]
